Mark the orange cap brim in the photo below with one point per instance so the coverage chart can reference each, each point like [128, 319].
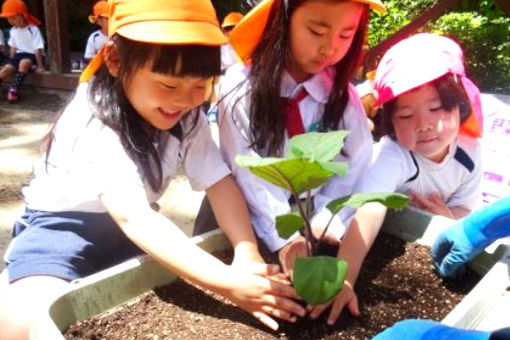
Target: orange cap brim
[247, 33]
[162, 32]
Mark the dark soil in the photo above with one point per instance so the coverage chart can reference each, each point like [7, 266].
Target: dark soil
[397, 282]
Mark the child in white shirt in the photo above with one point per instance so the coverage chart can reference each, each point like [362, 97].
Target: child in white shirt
[98, 38]
[432, 117]
[26, 46]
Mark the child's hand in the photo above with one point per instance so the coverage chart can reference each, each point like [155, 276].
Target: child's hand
[262, 297]
[346, 297]
[329, 237]
[39, 70]
[433, 203]
[288, 254]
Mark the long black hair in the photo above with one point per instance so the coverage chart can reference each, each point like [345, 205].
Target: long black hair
[113, 108]
[267, 123]
[451, 94]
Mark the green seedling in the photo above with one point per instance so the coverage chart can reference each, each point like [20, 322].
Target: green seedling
[307, 165]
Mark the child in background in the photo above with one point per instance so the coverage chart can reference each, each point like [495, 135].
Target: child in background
[228, 55]
[114, 150]
[301, 55]
[98, 38]
[26, 46]
[432, 117]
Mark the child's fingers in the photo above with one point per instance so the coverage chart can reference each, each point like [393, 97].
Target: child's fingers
[317, 310]
[266, 320]
[279, 313]
[286, 304]
[261, 269]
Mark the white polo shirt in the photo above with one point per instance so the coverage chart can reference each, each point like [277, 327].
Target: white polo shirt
[265, 200]
[27, 39]
[457, 178]
[87, 159]
[95, 43]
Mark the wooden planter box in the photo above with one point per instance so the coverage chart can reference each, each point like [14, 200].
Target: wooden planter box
[107, 289]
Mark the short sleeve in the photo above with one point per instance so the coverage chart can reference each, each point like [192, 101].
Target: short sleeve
[202, 161]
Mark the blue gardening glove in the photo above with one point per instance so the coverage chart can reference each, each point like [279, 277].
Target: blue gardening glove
[459, 243]
[414, 329]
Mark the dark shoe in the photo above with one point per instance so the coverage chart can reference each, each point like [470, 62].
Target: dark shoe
[12, 96]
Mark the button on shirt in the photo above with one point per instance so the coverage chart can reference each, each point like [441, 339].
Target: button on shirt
[87, 159]
[265, 200]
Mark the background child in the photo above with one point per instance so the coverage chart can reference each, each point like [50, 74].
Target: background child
[301, 55]
[228, 56]
[98, 38]
[114, 150]
[426, 97]
[26, 46]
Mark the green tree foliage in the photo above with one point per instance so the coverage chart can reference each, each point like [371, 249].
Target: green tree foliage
[480, 27]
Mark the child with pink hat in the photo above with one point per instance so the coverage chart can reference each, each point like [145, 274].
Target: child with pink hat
[432, 118]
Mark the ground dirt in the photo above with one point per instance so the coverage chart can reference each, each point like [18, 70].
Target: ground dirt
[397, 282]
[22, 126]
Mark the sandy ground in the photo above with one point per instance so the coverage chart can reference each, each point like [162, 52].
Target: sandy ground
[22, 126]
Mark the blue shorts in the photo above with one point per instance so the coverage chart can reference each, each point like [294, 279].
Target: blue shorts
[18, 57]
[66, 245]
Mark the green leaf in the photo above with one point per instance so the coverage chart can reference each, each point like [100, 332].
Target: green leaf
[338, 168]
[294, 174]
[390, 199]
[317, 146]
[288, 224]
[319, 279]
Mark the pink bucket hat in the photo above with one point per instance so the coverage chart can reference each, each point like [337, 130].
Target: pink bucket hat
[420, 59]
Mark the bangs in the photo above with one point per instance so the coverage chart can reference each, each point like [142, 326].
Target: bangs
[187, 60]
[177, 60]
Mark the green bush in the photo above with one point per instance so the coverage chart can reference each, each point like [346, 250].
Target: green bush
[480, 27]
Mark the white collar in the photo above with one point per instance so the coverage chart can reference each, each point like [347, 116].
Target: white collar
[318, 86]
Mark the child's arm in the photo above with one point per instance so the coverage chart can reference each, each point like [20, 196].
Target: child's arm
[39, 60]
[12, 52]
[354, 247]
[232, 215]
[435, 204]
[166, 243]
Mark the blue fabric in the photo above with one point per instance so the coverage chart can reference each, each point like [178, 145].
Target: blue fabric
[459, 243]
[414, 329]
[67, 245]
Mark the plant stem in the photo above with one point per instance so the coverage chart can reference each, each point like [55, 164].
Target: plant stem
[326, 228]
[308, 228]
[311, 242]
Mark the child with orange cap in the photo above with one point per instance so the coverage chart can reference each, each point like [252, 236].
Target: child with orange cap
[432, 117]
[26, 46]
[134, 121]
[98, 38]
[300, 57]
[228, 55]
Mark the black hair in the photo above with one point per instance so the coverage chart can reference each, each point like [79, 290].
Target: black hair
[113, 108]
[267, 124]
[451, 93]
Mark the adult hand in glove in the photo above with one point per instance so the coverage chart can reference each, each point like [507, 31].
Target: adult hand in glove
[462, 241]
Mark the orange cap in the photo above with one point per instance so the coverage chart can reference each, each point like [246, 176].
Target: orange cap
[11, 8]
[231, 19]
[247, 34]
[100, 9]
[176, 22]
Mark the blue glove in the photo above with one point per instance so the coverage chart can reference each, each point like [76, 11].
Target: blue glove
[414, 329]
[459, 243]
